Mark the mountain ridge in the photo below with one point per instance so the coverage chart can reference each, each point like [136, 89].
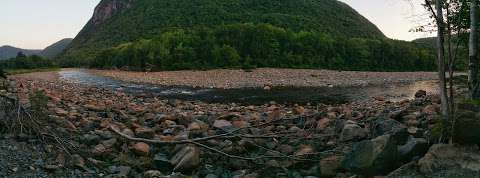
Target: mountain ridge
[51, 51]
[119, 21]
[8, 51]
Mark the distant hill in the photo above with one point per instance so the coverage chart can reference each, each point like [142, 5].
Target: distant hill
[119, 21]
[7, 52]
[55, 49]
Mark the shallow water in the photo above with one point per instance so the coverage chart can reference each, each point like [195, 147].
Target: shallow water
[289, 95]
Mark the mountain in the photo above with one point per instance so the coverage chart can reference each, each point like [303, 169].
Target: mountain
[7, 52]
[55, 49]
[118, 21]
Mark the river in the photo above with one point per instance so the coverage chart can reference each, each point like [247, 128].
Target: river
[287, 95]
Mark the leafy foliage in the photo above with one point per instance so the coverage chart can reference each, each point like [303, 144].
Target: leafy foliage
[27, 62]
[149, 18]
[263, 45]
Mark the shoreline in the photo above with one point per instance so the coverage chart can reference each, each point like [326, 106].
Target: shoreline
[265, 77]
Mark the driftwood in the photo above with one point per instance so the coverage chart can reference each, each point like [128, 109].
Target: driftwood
[17, 119]
[232, 134]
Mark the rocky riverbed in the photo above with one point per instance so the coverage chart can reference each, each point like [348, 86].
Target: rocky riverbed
[267, 77]
[122, 134]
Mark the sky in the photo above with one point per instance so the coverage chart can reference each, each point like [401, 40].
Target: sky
[35, 24]
[394, 17]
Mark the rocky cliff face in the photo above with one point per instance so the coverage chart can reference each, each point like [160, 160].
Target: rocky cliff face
[107, 8]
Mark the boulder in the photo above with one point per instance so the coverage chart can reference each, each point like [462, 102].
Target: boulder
[451, 161]
[369, 157]
[397, 130]
[414, 148]
[186, 159]
[352, 131]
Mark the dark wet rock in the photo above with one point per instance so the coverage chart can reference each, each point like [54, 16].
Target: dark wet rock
[420, 94]
[374, 156]
[109, 143]
[414, 148]
[162, 163]
[90, 139]
[352, 131]
[397, 130]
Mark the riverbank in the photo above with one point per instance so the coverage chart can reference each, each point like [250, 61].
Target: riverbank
[135, 135]
[262, 77]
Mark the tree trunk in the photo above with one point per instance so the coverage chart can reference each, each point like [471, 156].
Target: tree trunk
[441, 58]
[473, 84]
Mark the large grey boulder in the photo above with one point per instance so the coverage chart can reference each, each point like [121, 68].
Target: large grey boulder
[369, 157]
[397, 130]
[451, 160]
[443, 161]
[414, 148]
[352, 131]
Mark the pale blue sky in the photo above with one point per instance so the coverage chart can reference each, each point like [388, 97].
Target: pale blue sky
[35, 24]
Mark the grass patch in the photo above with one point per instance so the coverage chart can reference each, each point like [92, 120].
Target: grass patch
[24, 71]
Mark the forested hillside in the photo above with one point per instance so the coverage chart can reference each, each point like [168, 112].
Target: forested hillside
[263, 46]
[119, 21]
[55, 49]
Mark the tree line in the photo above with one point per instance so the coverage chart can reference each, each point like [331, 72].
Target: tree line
[21, 61]
[263, 45]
